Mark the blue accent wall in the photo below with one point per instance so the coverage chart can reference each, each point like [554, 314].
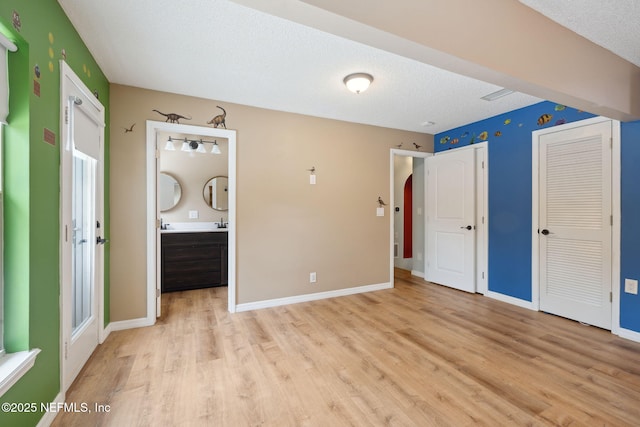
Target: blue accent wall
[510, 196]
[510, 186]
[630, 232]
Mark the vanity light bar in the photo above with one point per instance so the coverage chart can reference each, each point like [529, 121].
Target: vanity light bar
[192, 144]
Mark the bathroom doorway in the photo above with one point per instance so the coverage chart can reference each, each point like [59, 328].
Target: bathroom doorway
[157, 137]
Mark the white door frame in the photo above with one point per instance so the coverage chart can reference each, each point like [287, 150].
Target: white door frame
[403, 153]
[153, 278]
[615, 209]
[70, 81]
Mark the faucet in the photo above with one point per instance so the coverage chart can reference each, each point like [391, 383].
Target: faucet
[222, 224]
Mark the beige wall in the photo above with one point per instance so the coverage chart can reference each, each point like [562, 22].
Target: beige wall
[286, 228]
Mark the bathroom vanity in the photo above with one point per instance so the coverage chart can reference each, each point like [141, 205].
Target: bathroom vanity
[193, 259]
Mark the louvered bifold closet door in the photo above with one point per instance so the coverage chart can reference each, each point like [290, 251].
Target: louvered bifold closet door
[575, 224]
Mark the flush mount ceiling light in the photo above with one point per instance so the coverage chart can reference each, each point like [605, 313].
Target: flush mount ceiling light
[498, 94]
[358, 82]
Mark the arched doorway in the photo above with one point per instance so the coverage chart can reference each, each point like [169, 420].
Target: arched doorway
[407, 251]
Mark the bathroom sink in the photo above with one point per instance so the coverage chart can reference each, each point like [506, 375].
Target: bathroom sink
[193, 227]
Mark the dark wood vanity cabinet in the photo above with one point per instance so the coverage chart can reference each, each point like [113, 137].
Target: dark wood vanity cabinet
[193, 260]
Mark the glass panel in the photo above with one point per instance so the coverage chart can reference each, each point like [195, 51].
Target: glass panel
[84, 238]
[1, 248]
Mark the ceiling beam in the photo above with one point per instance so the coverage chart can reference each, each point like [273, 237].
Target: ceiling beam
[502, 42]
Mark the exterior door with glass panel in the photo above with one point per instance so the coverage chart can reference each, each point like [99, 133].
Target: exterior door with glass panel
[82, 252]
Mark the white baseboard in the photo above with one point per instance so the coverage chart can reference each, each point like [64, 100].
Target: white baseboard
[417, 273]
[511, 300]
[629, 334]
[48, 417]
[311, 297]
[129, 324]
[621, 332]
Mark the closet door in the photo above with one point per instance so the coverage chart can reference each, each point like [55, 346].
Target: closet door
[575, 223]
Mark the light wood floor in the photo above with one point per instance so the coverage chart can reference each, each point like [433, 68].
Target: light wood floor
[416, 355]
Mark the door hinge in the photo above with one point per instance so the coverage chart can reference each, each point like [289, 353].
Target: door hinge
[66, 233]
[610, 296]
[157, 153]
[66, 115]
[66, 350]
[611, 219]
[483, 164]
[158, 223]
[483, 274]
[483, 220]
[157, 292]
[610, 142]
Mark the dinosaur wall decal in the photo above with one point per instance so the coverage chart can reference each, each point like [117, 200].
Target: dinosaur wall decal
[219, 119]
[172, 117]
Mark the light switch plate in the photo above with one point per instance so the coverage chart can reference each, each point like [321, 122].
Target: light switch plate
[193, 214]
[631, 286]
[379, 211]
[312, 179]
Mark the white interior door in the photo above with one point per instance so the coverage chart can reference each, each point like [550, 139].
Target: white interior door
[82, 252]
[451, 217]
[575, 226]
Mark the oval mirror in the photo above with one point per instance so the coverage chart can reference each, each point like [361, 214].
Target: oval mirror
[169, 192]
[216, 193]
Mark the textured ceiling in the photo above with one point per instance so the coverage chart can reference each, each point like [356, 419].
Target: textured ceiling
[612, 24]
[218, 49]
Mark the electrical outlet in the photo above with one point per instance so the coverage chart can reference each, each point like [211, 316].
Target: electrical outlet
[312, 277]
[631, 286]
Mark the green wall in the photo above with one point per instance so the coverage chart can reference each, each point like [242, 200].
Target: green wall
[32, 167]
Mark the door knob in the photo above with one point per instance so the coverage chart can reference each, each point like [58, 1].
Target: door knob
[468, 227]
[101, 241]
[545, 232]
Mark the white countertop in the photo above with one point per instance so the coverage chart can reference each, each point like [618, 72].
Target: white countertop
[194, 227]
[196, 230]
